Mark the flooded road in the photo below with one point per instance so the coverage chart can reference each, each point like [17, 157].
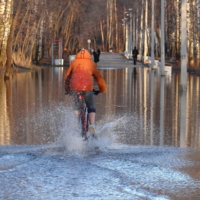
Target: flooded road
[151, 152]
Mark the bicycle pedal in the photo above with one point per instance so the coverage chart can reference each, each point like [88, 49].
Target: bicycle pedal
[85, 138]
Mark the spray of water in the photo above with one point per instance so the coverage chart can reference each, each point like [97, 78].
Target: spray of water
[72, 141]
[57, 124]
[110, 130]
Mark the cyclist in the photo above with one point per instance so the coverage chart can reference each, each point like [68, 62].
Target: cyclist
[79, 77]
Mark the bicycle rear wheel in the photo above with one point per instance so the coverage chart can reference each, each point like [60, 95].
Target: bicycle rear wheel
[83, 114]
[84, 120]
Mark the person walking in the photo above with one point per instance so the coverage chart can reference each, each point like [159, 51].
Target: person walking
[99, 52]
[96, 56]
[134, 54]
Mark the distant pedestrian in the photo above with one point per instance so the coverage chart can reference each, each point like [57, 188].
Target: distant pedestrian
[99, 52]
[96, 56]
[134, 54]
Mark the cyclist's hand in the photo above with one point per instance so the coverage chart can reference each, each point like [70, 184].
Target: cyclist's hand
[96, 92]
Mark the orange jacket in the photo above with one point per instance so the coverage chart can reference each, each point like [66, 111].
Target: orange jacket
[80, 74]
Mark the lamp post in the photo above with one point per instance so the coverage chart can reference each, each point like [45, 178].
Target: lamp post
[145, 33]
[126, 29]
[135, 32]
[131, 29]
[162, 39]
[128, 15]
[141, 31]
[126, 33]
[136, 28]
[152, 35]
[89, 41]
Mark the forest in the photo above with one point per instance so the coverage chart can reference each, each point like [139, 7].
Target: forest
[27, 28]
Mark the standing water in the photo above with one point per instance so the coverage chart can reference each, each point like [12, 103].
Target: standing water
[150, 152]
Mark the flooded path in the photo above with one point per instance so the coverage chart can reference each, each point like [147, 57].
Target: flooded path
[151, 152]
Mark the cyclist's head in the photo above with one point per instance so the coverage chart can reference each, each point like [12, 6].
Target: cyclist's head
[83, 53]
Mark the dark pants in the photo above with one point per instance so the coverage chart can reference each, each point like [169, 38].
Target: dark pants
[89, 100]
[134, 60]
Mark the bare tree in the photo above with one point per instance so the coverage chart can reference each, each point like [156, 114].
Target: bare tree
[27, 28]
[5, 22]
[10, 40]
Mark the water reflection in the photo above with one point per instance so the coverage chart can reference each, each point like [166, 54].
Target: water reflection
[183, 119]
[157, 100]
[151, 104]
[148, 108]
[162, 106]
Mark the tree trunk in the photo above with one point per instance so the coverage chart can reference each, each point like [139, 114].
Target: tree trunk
[107, 25]
[102, 36]
[177, 49]
[5, 23]
[141, 30]
[10, 42]
[116, 27]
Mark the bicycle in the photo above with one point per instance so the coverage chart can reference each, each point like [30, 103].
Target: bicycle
[83, 113]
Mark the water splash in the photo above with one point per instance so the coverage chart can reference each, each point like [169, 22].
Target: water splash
[110, 130]
[71, 140]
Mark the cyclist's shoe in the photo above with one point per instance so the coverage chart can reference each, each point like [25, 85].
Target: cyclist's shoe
[92, 130]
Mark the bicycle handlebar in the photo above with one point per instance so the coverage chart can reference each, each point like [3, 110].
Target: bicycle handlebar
[95, 92]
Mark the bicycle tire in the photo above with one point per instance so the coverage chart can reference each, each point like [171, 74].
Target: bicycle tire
[84, 121]
[83, 115]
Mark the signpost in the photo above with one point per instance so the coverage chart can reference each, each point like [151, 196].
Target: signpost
[89, 41]
[56, 58]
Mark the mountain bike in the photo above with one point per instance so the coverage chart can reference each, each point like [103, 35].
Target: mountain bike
[83, 113]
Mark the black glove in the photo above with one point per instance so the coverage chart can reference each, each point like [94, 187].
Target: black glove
[96, 92]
